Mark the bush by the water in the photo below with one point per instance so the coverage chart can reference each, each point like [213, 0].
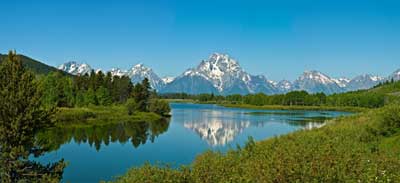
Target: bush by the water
[160, 107]
[346, 150]
[390, 120]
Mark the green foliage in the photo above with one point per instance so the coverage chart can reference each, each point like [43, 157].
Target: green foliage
[346, 150]
[141, 94]
[93, 89]
[151, 174]
[373, 98]
[22, 115]
[57, 90]
[103, 96]
[33, 65]
[390, 121]
[160, 107]
[96, 115]
[131, 106]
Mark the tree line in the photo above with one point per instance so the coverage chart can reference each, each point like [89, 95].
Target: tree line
[28, 105]
[362, 98]
[100, 89]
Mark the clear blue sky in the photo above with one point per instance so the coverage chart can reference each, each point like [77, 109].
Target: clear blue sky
[279, 39]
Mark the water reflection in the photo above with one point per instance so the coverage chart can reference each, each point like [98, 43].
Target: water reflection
[193, 129]
[220, 126]
[217, 132]
[137, 133]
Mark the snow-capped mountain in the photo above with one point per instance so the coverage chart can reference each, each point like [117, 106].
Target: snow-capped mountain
[118, 72]
[315, 81]
[395, 75]
[361, 82]
[75, 68]
[284, 86]
[167, 79]
[138, 72]
[342, 82]
[219, 74]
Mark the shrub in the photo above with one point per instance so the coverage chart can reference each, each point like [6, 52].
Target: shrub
[160, 107]
[131, 106]
[390, 123]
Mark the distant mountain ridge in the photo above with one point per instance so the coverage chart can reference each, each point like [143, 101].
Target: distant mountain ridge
[221, 74]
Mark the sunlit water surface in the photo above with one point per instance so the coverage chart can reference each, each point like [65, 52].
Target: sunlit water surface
[102, 152]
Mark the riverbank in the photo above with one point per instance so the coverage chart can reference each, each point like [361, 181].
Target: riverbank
[308, 108]
[95, 115]
[358, 148]
[273, 107]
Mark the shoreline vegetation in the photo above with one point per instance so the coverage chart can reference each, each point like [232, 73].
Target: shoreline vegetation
[359, 148]
[100, 115]
[363, 147]
[274, 107]
[308, 108]
[35, 103]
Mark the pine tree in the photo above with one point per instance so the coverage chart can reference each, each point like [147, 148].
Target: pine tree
[141, 94]
[22, 115]
[103, 96]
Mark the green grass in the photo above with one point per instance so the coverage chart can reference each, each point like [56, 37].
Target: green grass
[95, 115]
[283, 107]
[360, 148]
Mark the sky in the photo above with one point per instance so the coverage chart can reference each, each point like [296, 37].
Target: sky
[279, 39]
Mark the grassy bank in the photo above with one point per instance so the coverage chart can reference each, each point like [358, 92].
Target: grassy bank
[359, 148]
[100, 115]
[272, 107]
[284, 107]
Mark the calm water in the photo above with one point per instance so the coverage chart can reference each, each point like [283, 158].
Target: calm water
[101, 152]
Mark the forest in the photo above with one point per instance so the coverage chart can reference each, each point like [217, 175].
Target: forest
[361, 98]
[33, 103]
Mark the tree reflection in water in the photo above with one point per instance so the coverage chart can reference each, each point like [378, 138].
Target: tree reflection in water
[138, 133]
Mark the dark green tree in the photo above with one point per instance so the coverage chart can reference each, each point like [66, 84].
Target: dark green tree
[103, 96]
[22, 115]
[160, 107]
[141, 94]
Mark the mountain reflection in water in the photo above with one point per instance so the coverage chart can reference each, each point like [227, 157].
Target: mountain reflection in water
[219, 127]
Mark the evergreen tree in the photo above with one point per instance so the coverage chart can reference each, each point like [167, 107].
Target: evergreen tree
[141, 94]
[90, 97]
[103, 96]
[22, 115]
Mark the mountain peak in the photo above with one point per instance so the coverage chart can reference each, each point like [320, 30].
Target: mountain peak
[395, 75]
[316, 76]
[74, 68]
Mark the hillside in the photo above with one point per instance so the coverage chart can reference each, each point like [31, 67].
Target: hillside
[34, 65]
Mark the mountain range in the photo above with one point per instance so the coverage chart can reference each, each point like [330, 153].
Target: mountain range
[221, 74]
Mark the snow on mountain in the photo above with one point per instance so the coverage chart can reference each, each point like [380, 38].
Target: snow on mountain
[75, 68]
[221, 74]
[395, 75]
[362, 82]
[315, 81]
[342, 82]
[138, 72]
[168, 79]
[118, 72]
[224, 74]
[284, 86]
